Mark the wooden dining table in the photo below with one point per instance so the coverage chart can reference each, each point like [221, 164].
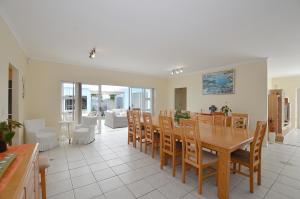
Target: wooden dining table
[224, 140]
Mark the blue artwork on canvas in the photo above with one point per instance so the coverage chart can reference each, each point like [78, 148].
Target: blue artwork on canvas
[218, 82]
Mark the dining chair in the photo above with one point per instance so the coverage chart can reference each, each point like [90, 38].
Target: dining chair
[151, 137]
[251, 159]
[205, 119]
[193, 154]
[219, 119]
[168, 113]
[239, 120]
[131, 131]
[194, 115]
[170, 148]
[139, 133]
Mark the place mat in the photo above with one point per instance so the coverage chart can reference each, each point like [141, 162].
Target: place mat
[6, 162]
[22, 153]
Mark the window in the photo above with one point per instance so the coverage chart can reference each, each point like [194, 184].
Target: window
[68, 102]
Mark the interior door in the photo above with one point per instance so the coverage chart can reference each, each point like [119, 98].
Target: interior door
[180, 98]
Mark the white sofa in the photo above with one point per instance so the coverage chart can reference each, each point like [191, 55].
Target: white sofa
[116, 118]
[85, 132]
[37, 132]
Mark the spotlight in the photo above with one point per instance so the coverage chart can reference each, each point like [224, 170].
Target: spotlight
[93, 53]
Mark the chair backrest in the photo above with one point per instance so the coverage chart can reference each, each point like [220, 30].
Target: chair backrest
[205, 119]
[190, 133]
[130, 121]
[148, 129]
[168, 113]
[166, 128]
[137, 122]
[34, 125]
[219, 119]
[239, 120]
[256, 145]
[89, 121]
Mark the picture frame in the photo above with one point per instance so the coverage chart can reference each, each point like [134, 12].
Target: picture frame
[219, 83]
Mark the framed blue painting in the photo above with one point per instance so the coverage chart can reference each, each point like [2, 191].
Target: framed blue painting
[218, 83]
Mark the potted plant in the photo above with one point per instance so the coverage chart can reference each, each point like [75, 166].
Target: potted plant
[213, 108]
[179, 114]
[7, 133]
[225, 109]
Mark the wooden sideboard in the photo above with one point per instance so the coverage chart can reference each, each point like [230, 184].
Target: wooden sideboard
[21, 181]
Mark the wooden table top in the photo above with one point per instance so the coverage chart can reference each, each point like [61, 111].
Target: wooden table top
[15, 174]
[222, 137]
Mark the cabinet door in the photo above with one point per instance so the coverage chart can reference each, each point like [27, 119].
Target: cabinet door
[29, 183]
[36, 178]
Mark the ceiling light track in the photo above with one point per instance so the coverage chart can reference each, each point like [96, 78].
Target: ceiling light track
[92, 53]
[176, 71]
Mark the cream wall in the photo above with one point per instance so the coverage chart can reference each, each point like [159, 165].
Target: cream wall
[10, 53]
[250, 96]
[289, 86]
[43, 86]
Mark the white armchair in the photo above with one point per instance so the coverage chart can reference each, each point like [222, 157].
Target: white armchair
[37, 132]
[85, 132]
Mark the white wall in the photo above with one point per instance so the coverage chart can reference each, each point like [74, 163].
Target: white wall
[43, 86]
[10, 53]
[250, 91]
[289, 85]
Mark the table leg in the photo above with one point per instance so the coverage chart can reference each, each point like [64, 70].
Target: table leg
[223, 174]
[161, 150]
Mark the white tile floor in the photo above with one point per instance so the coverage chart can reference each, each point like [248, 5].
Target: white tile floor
[109, 168]
[293, 138]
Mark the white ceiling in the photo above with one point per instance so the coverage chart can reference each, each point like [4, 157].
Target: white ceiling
[153, 36]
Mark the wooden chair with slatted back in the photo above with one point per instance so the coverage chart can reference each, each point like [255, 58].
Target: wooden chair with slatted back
[170, 148]
[193, 154]
[251, 159]
[139, 134]
[150, 136]
[219, 119]
[239, 120]
[194, 115]
[205, 119]
[131, 128]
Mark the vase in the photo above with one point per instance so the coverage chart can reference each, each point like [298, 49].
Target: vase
[3, 146]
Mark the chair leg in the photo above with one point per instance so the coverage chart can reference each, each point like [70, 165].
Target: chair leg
[200, 180]
[162, 160]
[43, 183]
[259, 174]
[146, 143]
[217, 175]
[234, 167]
[153, 148]
[174, 165]
[134, 140]
[251, 169]
[183, 171]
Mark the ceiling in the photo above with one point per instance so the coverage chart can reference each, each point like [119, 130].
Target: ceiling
[154, 36]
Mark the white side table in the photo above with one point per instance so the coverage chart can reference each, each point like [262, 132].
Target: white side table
[67, 124]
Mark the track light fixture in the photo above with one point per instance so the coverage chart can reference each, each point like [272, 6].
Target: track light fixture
[176, 71]
[93, 53]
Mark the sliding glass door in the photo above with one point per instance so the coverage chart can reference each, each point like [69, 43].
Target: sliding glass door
[142, 98]
[90, 100]
[94, 100]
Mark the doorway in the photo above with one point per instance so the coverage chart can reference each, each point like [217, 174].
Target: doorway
[13, 98]
[180, 98]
